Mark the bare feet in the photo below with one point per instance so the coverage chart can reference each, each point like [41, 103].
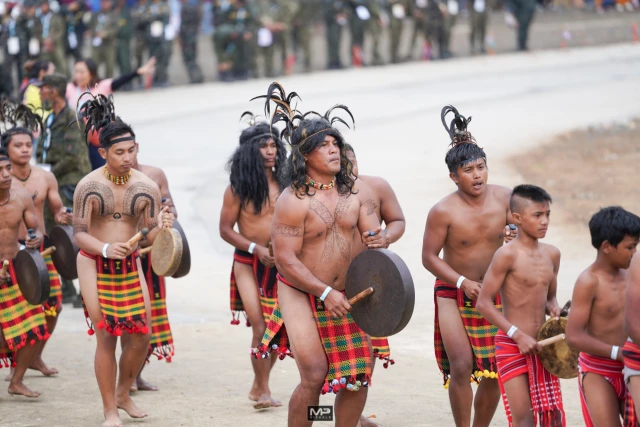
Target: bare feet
[127, 405]
[366, 422]
[263, 402]
[275, 402]
[22, 390]
[112, 419]
[39, 365]
[145, 386]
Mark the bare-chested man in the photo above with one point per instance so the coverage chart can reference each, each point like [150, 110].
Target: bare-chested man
[42, 186]
[468, 226]
[312, 234]
[249, 202]
[387, 210]
[596, 322]
[22, 325]
[110, 205]
[631, 352]
[161, 344]
[525, 272]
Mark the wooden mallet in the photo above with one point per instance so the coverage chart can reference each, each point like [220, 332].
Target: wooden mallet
[5, 268]
[48, 251]
[361, 295]
[139, 236]
[145, 251]
[551, 340]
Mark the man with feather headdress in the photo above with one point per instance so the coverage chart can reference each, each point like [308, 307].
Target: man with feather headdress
[42, 186]
[469, 225]
[249, 202]
[312, 232]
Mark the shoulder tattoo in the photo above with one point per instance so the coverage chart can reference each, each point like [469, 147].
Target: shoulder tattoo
[371, 206]
[280, 229]
[84, 197]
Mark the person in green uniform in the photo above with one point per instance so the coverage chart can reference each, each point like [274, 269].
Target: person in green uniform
[191, 17]
[276, 18]
[123, 39]
[450, 18]
[74, 14]
[420, 28]
[399, 10]
[62, 150]
[360, 15]
[104, 28]
[435, 31]
[335, 17]
[479, 16]
[53, 37]
[158, 16]
[524, 11]
[232, 38]
[302, 29]
[14, 38]
[141, 24]
[34, 30]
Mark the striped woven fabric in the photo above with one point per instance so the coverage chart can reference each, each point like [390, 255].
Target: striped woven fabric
[265, 280]
[345, 344]
[544, 388]
[7, 357]
[21, 322]
[631, 353]
[381, 350]
[161, 344]
[611, 371]
[481, 334]
[120, 295]
[53, 304]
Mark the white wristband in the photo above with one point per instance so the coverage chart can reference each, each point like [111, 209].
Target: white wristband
[460, 280]
[325, 293]
[104, 250]
[512, 331]
[252, 246]
[614, 352]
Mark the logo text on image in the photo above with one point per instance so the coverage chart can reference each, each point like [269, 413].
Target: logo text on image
[319, 413]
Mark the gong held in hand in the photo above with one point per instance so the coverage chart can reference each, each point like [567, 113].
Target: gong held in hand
[380, 289]
[557, 357]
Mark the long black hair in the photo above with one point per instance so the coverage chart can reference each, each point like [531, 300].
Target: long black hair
[304, 133]
[246, 165]
[464, 146]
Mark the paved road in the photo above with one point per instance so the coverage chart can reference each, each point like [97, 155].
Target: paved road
[516, 101]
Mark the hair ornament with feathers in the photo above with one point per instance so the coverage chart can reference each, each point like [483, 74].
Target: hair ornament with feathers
[16, 115]
[457, 130]
[96, 113]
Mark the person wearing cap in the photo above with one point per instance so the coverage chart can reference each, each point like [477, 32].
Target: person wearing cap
[53, 34]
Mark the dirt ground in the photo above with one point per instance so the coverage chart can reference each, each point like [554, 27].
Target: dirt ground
[587, 169]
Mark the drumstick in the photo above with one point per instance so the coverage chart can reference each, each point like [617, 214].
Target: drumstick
[139, 236]
[361, 296]
[551, 340]
[48, 251]
[270, 249]
[145, 251]
[5, 267]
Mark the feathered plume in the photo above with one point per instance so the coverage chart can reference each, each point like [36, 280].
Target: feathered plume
[457, 130]
[13, 114]
[332, 120]
[97, 112]
[284, 111]
[251, 119]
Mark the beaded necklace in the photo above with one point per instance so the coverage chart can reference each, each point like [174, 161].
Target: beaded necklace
[117, 180]
[320, 186]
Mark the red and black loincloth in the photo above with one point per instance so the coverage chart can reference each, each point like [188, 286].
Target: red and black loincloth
[21, 322]
[481, 334]
[161, 344]
[544, 387]
[265, 280]
[611, 371]
[631, 354]
[120, 296]
[346, 346]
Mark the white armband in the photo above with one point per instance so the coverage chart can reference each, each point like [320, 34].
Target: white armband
[325, 293]
[460, 280]
[614, 352]
[104, 250]
[512, 331]
[252, 246]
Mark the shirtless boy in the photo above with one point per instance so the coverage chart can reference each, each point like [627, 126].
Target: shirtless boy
[467, 226]
[22, 325]
[525, 272]
[596, 321]
[111, 205]
[249, 202]
[42, 186]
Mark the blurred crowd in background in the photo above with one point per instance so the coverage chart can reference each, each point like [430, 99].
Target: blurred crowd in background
[117, 37]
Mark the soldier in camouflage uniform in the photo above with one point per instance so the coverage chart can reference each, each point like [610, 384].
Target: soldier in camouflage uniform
[34, 30]
[436, 28]
[74, 17]
[336, 17]
[361, 14]
[14, 38]
[191, 17]
[479, 16]
[301, 33]
[123, 39]
[233, 38]
[104, 28]
[141, 24]
[158, 16]
[450, 17]
[399, 10]
[54, 32]
[276, 17]
[420, 27]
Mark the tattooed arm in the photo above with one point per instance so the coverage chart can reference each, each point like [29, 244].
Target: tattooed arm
[368, 220]
[163, 183]
[390, 210]
[85, 195]
[287, 232]
[146, 200]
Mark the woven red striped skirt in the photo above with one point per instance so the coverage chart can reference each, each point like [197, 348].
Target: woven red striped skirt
[480, 333]
[544, 388]
[610, 370]
[161, 344]
[631, 353]
[265, 280]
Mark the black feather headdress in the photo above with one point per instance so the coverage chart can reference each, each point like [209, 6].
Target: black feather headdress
[457, 129]
[97, 112]
[14, 115]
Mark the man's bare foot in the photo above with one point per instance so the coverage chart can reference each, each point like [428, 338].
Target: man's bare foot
[112, 419]
[22, 390]
[39, 365]
[145, 386]
[254, 393]
[263, 402]
[366, 422]
[127, 405]
[275, 402]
